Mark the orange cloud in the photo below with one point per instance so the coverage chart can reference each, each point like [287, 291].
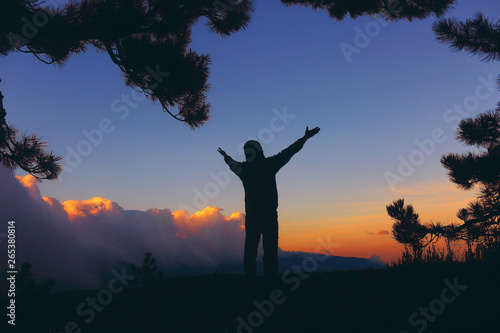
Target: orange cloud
[236, 216]
[94, 206]
[30, 183]
[208, 217]
[93, 235]
[383, 232]
[27, 181]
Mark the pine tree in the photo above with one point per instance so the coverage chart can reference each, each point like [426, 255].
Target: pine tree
[28, 289]
[25, 151]
[408, 229]
[479, 36]
[148, 40]
[480, 227]
[477, 170]
[148, 273]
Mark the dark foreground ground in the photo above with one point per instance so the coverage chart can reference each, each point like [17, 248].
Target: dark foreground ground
[388, 300]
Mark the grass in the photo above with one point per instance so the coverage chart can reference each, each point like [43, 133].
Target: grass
[342, 301]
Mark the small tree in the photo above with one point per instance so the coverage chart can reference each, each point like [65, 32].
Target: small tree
[25, 282]
[148, 274]
[408, 230]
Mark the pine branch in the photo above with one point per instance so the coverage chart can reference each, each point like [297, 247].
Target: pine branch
[391, 10]
[478, 36]
[150, 32]
[26, 152]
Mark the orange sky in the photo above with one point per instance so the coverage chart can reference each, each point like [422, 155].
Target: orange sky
[357, 233]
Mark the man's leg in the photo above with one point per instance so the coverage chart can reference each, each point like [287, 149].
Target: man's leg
[252, 238]
[270, 244]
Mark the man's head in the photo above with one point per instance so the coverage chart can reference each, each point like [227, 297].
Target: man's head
[253, 150]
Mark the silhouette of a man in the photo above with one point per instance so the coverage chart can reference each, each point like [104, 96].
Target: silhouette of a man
[258, 175]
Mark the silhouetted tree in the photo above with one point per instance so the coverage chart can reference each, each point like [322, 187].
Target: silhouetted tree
[388, 9]
[25, 151]
[477, 170]
[148, 274]
[479, 36]
[408, 229]
[148, 39]
[27, 287]
[480, 227]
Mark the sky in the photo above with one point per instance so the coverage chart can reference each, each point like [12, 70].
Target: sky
[387, 97]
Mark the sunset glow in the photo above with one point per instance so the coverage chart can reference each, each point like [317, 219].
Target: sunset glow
[84, 208]
[250, 166]
[355, 235]
[385, 96]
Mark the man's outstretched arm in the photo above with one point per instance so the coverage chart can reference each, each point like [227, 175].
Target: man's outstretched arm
[285, 155]
[233, 165]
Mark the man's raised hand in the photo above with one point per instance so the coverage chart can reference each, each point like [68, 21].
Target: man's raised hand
[222, 152]
[311, 133]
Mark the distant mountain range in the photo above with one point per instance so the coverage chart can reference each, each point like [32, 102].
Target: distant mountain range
[305, 260]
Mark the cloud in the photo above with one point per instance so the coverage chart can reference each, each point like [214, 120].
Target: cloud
[30, 183]
[92, 207]
[75, 241]
[380, 232]
[376, 259]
